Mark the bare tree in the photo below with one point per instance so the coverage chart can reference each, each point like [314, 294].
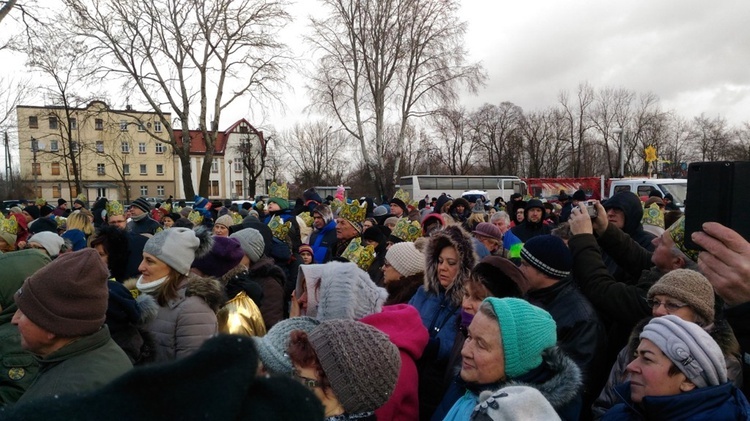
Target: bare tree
[579, 122]
[456, 141]
[316, 153]
[710, 137]
[386, 62]
[498, 133]
[184, 54]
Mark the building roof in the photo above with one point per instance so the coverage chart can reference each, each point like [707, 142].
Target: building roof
[198, 143]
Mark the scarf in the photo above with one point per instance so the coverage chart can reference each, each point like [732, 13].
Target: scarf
[149, 287]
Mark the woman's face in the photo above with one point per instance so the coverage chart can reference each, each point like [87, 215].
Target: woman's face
[520, 215]
[474, 294]
[152, 269]
[221, 230]
[483, 355]
[306, 258]
[366, 224]
[447, 266]
[390, 274]
[167, 222]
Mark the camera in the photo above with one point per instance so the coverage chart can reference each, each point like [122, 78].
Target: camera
[591, 208]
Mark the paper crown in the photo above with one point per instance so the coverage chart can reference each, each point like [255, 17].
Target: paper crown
[677, 232]
[279, 228]
[9, 225]
[115, 208]
[653, 215]
[278, 190]
[39, 201]
[363, 256]
[82, 198]
[167, 207]
[236, 218]
[406, 230]
[305, 216]
[353, 212]
[336, 206]
[402, 195]
[195, 217]
[60, 220]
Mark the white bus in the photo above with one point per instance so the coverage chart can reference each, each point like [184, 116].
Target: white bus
[419, 186]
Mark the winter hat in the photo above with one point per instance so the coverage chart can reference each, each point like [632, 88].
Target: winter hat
[361, 363]
[305, 248]
[311, 194]
[534, 203]
[44, 211]
[687, 286]
[375, 234]
[61, 201]
[224, 256]
[32, 210]
[579, 195]
[49, 240]
[406, 259]
[273, 346]
[179, 247]
[549, 254]
[655, 193]
[653, 199]
[67, 297]
[690, 348]
[526, 331]
[142, 204]
[478, 207]
[400, 203]
[325, 212]
[513, 403]
[380, 211]
[251, 241]
[79, 202]
[225, 220]
[501, 277]
[347, 292]
[488, 230]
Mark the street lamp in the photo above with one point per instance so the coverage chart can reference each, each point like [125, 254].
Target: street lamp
[621, 157]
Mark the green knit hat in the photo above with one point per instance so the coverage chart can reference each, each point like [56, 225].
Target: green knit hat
[526, 331]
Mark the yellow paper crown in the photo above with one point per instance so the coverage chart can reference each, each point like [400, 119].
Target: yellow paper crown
[353, 212]
[363, 256]
[336, 206]
[305, 216]
[81, 197]
[115, 208]
[9, 225]
[39, 201]
[278, 190]
[677, 232]
[195, 217]
[653, 215]
[236, 218]
[167, 206]
[60, 220]
[407, 230]
[279, 229]
[403, 195]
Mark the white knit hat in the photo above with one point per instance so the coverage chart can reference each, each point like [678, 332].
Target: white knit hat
[406, 259]
[347, 292]
[50, 241]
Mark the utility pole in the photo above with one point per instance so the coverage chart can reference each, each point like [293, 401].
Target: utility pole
[8, 171]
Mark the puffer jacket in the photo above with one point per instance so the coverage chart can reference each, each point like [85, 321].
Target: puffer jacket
[187, 321]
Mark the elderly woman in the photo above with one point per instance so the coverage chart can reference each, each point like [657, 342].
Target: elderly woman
[679, 373]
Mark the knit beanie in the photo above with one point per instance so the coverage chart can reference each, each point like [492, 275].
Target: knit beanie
[67, 297]
[690, 348]
[548, 254]
[273, 346]
[687, 286]
[142, 204]
[44, 211]
[513, 403]
[488, 230]
[361, 363]
[579, 195]
[305, 248]
[406, 259]
[225, 220]
[178, 247]
[43, 225]
[251, 241]
[526, 330]
[50, 241]
[346, 292]
[400, 203]
[61, 201]
[224, 256]
[380, 211]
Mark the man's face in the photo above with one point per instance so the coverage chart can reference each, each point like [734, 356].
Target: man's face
[33, 338]
[663, 258]
[135, 211]
[534, 215]
[345, 230]
[396, 210]
[616, 217]
[118, 220]
[483, 356]
[502, 225]
[649, 374]
[64, 206]
[318, 221]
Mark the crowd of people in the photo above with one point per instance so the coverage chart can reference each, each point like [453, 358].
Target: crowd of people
[388, 309]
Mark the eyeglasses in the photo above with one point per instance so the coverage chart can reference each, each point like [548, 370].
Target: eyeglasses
[308, 382]
[671, 307]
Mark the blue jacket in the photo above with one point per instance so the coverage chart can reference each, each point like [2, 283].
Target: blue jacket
[440, 319]
[723, 402]
[323, 242]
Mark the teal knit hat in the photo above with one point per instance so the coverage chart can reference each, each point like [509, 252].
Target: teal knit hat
[526, 331]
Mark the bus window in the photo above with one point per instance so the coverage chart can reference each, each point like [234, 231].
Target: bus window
[476, 184]
[444, 184]
[427, 183]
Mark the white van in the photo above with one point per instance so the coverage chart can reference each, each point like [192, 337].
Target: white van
[677, 187]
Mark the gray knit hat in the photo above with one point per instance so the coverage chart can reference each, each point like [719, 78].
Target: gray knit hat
[142, 204]
[252, 243]
[406, 259]
[690, 287]
[51, 242]
[347, 292]
[361, 363]
[690, 348]
[273, 346]
[179, 247]
[225, 220]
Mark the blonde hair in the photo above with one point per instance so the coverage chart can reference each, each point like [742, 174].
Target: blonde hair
[81, 222]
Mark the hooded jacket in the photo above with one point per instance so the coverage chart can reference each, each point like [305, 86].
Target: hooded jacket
[404, 328]
[527, 229]
[631, 206]
[323, 242]
[271, 279]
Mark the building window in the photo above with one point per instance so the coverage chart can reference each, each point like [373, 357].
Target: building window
[237, 166]
[125, 147]
[144, 190]
[159, 169]
[214, 187]
[99, 124]
[100, 170]
[101, 192]
[56, 191]
[99, 146]
[33, 122]
[160, 190]
[54, 146]
[243, 128]
[72, 123]
[159, 147]
[73, 191]
[126, 169]
[238, 188]
[36, 168]
[141, 127]
[52, 122]
[215, 166]
[143, 169]
[157, 126]
[74, 147]
[34, 145]
[141, 147]
[55, 168]
[123, 126]
[38, 191]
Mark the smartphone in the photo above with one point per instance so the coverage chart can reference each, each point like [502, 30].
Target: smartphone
[717, 192]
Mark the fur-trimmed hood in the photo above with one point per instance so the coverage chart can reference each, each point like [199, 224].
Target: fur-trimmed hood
[564, 386]
[457, 237]
[207, 288]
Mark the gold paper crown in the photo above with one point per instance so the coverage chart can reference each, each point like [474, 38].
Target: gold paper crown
[81, 197]
[352, 212]
[236, 218]
[279, 229]
[336, 206]
[9, 225]
[115, 208]
[195, 217]
[407, 230]
[363, 256]
[677, 232]
[653, 215]
[403, 195]
[276, 190]
[39, 201]
[60, 220]
[167, 207]
[305, 216]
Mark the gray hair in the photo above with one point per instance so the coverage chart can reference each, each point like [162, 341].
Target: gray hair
[500, 215]
[688, 262]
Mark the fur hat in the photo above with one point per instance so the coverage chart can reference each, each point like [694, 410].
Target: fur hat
[450, 236]
[225, 254]
[142, 204]
[549, 255]
[67, 297]
[273, 346]
[361, 363]
[179, 247]
[687, 286]
[405, 258]
[695, 353]
[526, 331]
[51, 242]
[252, 243]
[325, 212]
